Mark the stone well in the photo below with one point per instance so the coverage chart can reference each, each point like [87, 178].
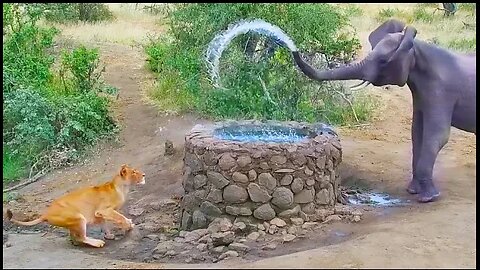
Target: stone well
[240, 171]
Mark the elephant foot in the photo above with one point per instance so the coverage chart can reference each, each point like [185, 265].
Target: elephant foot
[413, 187]
[429, 193]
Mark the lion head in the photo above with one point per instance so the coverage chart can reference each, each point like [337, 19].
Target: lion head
[132, 175]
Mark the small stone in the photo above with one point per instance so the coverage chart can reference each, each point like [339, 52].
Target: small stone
[323, 197]
[182, 233]
[299, 159]
[321, 162]
[179, 240]
[242, 240]
[238, 211]
[282, 197]
[235, 194]
[188, 260]
[8, 244]
[198, 220]
[205, 239]
[309, 208]
[357, 212]
[267, 180]
[240, 177]
[243, 161]
[308, 171]
[297, 221]
[202, 247]
[171, 253]
[304, 196]
[253, 236]
[136, 211]
[290, 212]
[228, 254]
[292, 230]
[195, 235]
[210, 209]
[219, 225]
[270, 246]
[227, 162]
[199, 181]
[286, 180]
[310, 182]
[278, 222]
[223, 238]
[252, 175]
[219, 249]
[186, 220]
[264, 165]
[343, 210]
[309, 225]
[297, 185]
[278, 160]
[272, 229]
[261, 227]
[217, 179]
[321, 214]
[285, 171]
[266, 225]
[288, 237]
[163, 247]
[215, 195]
[332, 218]
[264, 212]
[258, 193]
[239, 247]
[152, 237]
[356, 218]
[303, 216]
[239, 226]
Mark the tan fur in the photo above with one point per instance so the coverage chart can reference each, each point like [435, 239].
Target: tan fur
[91, 205]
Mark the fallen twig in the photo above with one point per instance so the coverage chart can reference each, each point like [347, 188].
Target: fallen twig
[29, 181]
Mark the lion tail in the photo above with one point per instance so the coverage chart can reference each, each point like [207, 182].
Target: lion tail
[24, 223]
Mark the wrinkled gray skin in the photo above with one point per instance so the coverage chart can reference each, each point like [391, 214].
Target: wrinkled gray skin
[443, 86]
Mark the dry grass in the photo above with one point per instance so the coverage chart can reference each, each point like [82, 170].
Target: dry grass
[449, 32]
[132, 26]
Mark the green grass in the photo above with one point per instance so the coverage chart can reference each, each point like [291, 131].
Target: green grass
[464, 45]
[13, 167]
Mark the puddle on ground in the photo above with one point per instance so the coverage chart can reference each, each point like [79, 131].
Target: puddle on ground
[373, 199]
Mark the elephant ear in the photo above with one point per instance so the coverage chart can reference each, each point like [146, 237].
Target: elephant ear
[388, 27]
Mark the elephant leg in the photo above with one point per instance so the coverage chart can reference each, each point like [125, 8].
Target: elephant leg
[436, 132]
[417, 132]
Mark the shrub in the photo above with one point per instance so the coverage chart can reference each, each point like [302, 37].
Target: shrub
[46, 111]
[75, 12]
[267, 89]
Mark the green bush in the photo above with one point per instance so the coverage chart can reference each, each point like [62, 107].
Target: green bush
[264, 89]
[45, 110]
[75, 12]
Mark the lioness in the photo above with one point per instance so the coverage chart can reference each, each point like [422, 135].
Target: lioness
[91, 205]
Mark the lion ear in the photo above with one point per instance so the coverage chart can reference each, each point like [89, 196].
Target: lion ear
[123, 170]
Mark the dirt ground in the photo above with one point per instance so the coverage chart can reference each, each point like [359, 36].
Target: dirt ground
[439, 234]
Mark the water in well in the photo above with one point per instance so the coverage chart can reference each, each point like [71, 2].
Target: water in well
[223, 39]
[265, 133]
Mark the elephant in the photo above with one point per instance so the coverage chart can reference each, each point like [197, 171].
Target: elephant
[442, 83]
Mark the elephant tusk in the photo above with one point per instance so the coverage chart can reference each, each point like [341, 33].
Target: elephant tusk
[360, 86]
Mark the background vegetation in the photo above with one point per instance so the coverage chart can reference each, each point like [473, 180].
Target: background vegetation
[259, 85]
[49, 115]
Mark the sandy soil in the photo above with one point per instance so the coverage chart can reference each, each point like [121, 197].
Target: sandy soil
[439, 234]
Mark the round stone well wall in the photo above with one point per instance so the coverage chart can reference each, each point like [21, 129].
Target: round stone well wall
[258, 180]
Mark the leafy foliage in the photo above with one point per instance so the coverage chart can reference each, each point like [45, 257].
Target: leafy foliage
[44, 109]
[259, 85]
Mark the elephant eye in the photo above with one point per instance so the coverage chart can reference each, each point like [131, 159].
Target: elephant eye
[383, 61]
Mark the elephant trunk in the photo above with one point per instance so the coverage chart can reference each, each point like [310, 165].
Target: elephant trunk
[348, 72]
